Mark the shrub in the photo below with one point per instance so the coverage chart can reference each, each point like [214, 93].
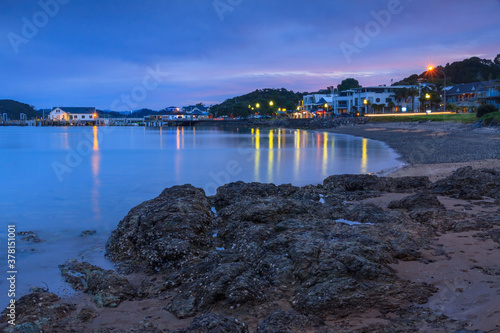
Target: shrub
[485, 109]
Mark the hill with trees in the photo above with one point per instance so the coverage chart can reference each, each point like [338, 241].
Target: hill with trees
[260, 100]
[469, 70]
[14, 109]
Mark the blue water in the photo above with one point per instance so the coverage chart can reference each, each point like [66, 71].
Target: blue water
[60, 181]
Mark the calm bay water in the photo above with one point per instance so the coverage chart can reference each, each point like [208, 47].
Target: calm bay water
[60, 181]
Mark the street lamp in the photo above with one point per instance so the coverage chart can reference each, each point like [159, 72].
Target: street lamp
[271, 103]
[365, 102]
[444, 87]
[428, 97]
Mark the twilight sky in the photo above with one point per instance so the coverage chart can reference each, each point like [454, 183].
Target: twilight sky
[126, 54]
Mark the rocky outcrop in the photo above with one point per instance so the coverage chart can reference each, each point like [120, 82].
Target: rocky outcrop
[264, 240]
[289, 322]
[107, 287]
[29, 236]
[215, 323]
[358, 187]
[163, 232]
[470, 184]
[37, 312]
[321, 250]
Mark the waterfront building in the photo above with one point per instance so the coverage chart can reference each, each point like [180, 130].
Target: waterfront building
[73, 114]
[375, 99]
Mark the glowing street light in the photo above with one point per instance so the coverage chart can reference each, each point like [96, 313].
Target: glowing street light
[271, 103]
[257, 105]
[430, 69]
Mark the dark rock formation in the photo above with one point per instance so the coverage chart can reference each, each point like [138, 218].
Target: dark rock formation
[467, 183]
[213, 323]
[288, 322]
[37, 312]
[108, 287]
[311, 247]
[29, 236]
[86, 233]
[166, 231]
[266, 239]
[358, 187]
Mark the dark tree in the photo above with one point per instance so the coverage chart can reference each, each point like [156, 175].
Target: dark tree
[347, 84]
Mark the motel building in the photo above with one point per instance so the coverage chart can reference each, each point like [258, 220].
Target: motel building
[73, 114]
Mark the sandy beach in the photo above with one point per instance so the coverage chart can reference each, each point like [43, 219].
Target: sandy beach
[457, 263]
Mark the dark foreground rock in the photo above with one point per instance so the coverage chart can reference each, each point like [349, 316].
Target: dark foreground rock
[107, 287]
[213, 323]
[266, 243]
[289, 259]
[467, 183]
[37, 312]
[164, 232]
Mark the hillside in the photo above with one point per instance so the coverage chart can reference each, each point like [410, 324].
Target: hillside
[14, 109]
[239, 106]
[466, 71]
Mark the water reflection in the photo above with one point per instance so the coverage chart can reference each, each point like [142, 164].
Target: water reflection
[270, 157]
[324, 164]
[96, 184]
[178, 139]
[257, 155]
[364, 156]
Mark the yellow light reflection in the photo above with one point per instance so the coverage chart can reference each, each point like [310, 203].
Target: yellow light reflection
[96, 142]
[279, 139]
[297, 154]
[270, 165]
[257, 139]
[96, 184]
[325, 154]
[364, 156]
[257, 156]
[182, 137]
[270, 157]
[178, 139]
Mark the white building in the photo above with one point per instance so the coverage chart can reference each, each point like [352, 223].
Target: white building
[73, 114]
[374, 99]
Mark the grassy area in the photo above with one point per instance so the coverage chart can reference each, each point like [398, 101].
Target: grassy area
[459, 118]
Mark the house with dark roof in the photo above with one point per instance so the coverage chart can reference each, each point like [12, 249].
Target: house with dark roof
[491, 94]
[466, 96]
[73, 114]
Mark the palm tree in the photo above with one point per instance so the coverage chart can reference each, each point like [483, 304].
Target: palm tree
[412, 92]
[391, 105]
[401, 94]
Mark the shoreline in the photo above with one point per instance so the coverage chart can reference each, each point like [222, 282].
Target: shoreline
[450, 294]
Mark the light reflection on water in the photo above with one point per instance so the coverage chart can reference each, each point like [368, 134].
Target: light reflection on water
[113, 169]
